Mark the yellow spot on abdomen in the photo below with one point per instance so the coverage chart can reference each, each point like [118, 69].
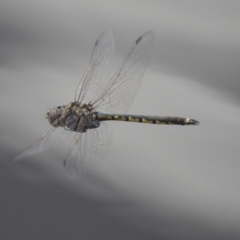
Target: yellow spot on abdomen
[133, 119]
[144, 120]
[116, 117]
[159, 122]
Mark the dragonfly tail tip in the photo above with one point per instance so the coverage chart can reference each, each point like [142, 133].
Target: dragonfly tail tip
[193, 122]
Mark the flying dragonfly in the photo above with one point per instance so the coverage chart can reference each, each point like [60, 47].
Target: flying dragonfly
[98, 99]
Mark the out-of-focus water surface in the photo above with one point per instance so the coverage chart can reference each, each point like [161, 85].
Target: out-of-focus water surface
[167, 182]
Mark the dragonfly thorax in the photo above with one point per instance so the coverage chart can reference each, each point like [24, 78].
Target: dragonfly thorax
[74, 116]
[78, 117]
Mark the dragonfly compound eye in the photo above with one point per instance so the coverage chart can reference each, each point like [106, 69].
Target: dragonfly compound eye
[52, 117]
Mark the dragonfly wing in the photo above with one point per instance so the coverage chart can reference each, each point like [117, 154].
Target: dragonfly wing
[121, 89]
[98, 70]
[51, 138]
[73, 161]
[96, 145]
[88, 149]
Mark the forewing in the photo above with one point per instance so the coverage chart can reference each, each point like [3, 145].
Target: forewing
[98, 70]
[51, 138]
[119, 92]
[88, 149]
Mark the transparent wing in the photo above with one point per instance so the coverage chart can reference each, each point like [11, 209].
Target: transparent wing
[119, 92]
[51, 138]
[73, 162]
[88, 149]
[98, 70]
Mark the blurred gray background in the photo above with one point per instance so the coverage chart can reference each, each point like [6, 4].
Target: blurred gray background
[156, 182]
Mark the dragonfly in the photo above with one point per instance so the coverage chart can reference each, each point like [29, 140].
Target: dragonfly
[99, 98]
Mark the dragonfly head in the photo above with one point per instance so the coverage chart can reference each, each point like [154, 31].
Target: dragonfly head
[54, 116]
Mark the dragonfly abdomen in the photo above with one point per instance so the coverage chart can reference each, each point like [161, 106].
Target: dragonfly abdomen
[145, 119]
